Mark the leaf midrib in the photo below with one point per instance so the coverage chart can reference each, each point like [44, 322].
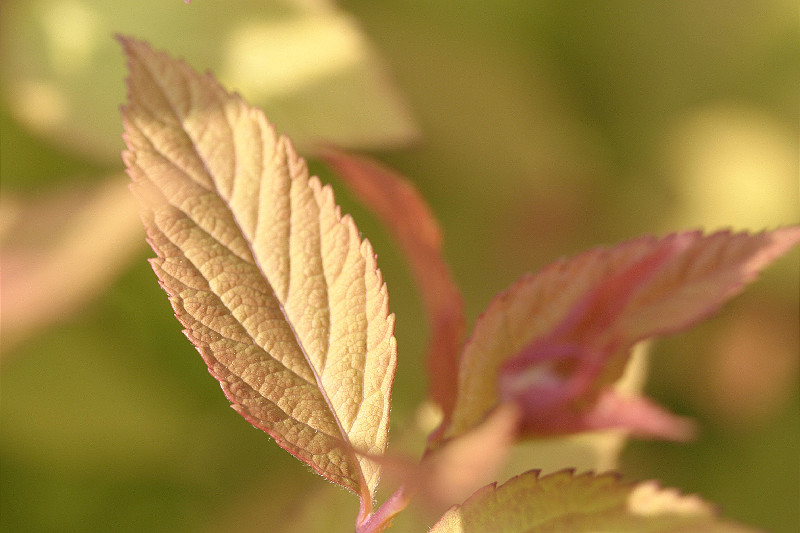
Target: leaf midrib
[332, 411]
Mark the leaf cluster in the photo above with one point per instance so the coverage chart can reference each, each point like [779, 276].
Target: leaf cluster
[285, 302]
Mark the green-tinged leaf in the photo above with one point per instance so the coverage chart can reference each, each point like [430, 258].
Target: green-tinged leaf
[274, 287]
[586, 503]
[308, 62]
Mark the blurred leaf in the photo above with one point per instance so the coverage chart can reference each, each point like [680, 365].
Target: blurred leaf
[274, 287]
[460, 466]
[307, 62]
[62, 250]
[565, 502]
[553, 342]
[597, 451]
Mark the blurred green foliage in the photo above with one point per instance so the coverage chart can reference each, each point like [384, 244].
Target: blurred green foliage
[546, 128]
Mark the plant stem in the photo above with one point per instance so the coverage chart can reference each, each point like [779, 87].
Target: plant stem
[382, 518]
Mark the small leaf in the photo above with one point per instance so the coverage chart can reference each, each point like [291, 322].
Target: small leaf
[556, 340]
[274, 287]
[453, 471]
[458, 467]
[566, 502]
[406, 214]
[596, 451]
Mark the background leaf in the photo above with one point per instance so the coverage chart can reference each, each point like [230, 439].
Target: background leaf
[86, 235]
[274, 287]
[565, 502]
[308, 61]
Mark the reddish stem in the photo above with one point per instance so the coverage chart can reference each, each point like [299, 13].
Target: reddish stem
[382, 518]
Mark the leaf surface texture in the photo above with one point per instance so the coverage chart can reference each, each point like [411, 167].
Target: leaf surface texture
[403, 210]
[274, 287]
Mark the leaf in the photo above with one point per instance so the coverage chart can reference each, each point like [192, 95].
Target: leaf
[401, 208]
[597, 451]
[556, 340]
[449, 473]
[457, 468]
[86, 236]
[704, 273]
[453, 471]
[274, 287]
[310, 63]
[566, 502]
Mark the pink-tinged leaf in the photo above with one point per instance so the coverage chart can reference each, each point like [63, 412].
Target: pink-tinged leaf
[450, 473]
[456, 469]
[704, 273]
[565, 502]
[595, 451]
[460, 466]
[637, 415]
[272, 284]
[555, 341]
[405, 213]
[84, 236]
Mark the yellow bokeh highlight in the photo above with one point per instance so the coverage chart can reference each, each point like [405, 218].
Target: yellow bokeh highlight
[40, 104]
[734, 167]
[267, 58]
[72, 31]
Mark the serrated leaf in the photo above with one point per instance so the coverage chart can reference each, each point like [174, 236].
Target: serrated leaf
[556, 340]
[401, 208]
[274, 287]
[563, 501]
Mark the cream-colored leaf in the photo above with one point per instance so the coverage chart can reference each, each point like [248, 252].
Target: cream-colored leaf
[587, 503]
[273, 285]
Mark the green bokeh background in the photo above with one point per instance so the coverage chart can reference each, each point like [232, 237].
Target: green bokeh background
[545, 128]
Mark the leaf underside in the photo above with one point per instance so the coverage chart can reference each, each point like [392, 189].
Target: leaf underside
[274, 287]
